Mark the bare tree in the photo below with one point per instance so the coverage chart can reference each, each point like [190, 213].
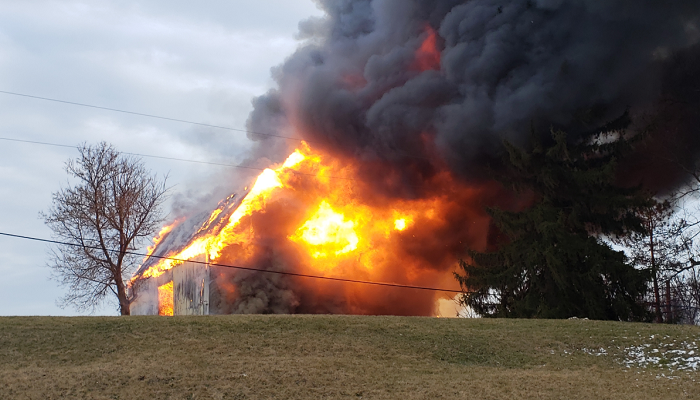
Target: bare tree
[669, 250]
[111, 206]
[655, 249]
[685, 289]
[684, 273]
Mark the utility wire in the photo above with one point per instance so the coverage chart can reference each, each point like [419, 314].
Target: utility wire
[346, 280]
[133, 154]
[166, 158]
[149, 115]
[328, 278]
[174, 119]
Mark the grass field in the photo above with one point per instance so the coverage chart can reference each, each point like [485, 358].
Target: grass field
[315, 357]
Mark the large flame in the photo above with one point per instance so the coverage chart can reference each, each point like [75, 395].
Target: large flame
[313, 215]
[327, 233]
[165, 299]
[212, 244]
[161, 235]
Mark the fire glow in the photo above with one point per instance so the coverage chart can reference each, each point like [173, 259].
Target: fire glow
[428, 56]
[315, 214]
[165, 299]
[159, 237]
[311, 215]
[328, 232]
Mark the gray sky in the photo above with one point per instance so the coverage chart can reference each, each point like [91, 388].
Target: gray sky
[198, 61]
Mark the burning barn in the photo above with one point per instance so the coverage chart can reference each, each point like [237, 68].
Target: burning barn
[184, 290]
[403, 105]
[181, 291]
[300, 217]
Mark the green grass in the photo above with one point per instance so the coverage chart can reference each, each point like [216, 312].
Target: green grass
[312, 357]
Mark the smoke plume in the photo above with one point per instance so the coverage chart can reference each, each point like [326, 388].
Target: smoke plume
[417, 96]
[411, 88]
[420, 85]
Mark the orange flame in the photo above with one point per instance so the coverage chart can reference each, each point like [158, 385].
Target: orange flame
[327, 232]
[165, 299]
[401, 223]
[212, 244]
[314, 223]
[161, 235]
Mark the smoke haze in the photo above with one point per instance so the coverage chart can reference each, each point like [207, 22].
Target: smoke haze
[365, 87]
[417, 97]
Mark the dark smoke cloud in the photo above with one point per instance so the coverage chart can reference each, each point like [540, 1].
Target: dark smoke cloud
[575, 65]
[358, 89]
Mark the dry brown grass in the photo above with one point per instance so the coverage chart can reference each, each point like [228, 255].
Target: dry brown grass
[315, 357]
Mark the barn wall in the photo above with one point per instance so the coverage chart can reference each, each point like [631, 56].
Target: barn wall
[191, 288]
[146, 291]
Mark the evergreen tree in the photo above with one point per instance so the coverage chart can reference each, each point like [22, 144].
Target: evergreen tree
[553, 262]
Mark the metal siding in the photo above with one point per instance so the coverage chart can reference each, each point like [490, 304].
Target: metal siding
[191, 288]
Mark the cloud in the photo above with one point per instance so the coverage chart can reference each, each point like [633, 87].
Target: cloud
[172, 58]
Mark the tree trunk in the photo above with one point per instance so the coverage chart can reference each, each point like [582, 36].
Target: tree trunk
[124, 303]
[669, 315]
[657, 297]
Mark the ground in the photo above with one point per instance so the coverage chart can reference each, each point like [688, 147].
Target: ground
[316, 357]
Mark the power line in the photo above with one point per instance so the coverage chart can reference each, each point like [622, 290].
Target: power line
[133, 154]
[149, 115]
[165, 158]
[176, 120]
[37, 142]
[169, 119]
[300, 275]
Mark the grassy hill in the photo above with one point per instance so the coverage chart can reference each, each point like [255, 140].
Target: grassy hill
[313, 357]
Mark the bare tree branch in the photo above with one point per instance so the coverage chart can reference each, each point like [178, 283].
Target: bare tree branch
[112, 208]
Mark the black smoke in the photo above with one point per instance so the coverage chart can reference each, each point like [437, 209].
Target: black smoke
[357, 90]
[352, 89]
